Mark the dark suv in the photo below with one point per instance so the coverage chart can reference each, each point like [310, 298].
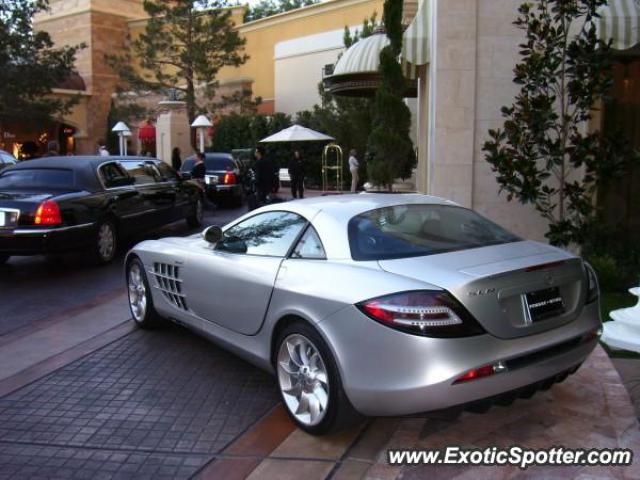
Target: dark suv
[223, 179]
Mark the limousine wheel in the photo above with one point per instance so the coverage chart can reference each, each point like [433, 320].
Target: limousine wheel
[195, 220]
[106, 243]
[140, 301]
[309, 382]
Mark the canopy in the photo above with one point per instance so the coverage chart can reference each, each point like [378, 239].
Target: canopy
[416, 39]
[297, 133]
[356, 74]
[620, 22]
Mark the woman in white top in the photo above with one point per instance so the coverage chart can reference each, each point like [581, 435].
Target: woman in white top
[353, 168]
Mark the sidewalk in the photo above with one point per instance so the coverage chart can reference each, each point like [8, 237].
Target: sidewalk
[28, 354]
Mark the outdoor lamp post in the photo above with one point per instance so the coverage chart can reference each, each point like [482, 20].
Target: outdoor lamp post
[123, 131]
[201, 123]
[127, 135]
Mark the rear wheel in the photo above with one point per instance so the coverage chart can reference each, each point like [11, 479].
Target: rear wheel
[309, 382]
[196, 219]
[106, 243]
[140, 301]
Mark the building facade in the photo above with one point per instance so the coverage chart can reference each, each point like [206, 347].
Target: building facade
[461, 52]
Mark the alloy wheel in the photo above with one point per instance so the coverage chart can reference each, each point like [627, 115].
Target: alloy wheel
[137, 293]
[106, 242]
[303, 379]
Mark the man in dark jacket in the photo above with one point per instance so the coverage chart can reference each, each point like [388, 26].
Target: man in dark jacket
[264, 169]
[199, 169]
[296, 174]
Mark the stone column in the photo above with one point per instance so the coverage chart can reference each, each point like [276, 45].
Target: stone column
[422, 137]
[173, 130]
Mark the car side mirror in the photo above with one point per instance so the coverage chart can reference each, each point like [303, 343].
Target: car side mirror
[212, 234]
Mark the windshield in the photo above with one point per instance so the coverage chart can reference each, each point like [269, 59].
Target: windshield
[418, 230]
[39, 178]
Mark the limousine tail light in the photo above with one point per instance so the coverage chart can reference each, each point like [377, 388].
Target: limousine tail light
[427, 313]
[229, 178]
[48, 213]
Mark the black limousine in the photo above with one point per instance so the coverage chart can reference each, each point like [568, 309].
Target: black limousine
[63, 204]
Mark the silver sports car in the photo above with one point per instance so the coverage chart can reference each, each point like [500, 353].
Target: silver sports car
[375, 304]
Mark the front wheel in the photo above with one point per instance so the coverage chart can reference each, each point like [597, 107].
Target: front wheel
[140, 301]
[196, 219]
[310, 385]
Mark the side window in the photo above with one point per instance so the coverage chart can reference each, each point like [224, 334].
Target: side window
[142, 171]
[309, 246]
[168, 174]
[110, 172]
[267, 234]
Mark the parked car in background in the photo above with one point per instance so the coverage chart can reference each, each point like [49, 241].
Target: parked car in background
[6, 160]
[223, 179]
[383, 305]
[63, 204]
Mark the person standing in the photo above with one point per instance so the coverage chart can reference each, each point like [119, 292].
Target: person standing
[264, 169]
[199, 169]
[296, 174]
[354, 165]
[52, 149]
[102, 149]
[176, 161]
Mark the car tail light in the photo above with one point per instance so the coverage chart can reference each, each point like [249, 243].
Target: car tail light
[484, 371]
[229, 178]
[593, 290]
[48, 213]
[430, 313]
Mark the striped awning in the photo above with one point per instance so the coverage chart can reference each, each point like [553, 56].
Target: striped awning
[620, 21]
[363, 56]
[415, 45]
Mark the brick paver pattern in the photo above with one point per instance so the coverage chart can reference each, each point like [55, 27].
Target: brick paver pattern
[151, 405]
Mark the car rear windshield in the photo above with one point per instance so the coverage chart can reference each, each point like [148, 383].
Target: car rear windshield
[40, 178]
[215, 163]
[417, 230]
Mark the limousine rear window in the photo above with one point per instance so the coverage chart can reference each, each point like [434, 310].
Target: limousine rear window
[37, 178]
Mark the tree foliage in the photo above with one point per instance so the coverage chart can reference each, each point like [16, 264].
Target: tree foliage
[544, 154]
[267, 8]
[30, 65]
[369, 26]
[183, 47]
[389, 147]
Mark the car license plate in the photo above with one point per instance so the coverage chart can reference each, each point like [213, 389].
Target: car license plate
[543, 304]
[211, 179]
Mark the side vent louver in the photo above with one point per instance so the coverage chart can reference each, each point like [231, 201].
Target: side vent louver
[170, 284]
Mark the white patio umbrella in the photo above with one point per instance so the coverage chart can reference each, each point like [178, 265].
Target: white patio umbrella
[296, 133]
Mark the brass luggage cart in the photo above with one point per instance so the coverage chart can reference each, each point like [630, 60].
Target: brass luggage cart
[332, 164]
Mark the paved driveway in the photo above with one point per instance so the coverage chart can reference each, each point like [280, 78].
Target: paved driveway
[156, 404]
